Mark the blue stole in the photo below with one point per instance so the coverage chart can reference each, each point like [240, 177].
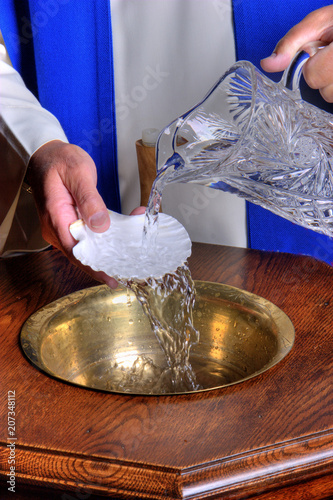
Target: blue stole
[63, 51]
[259, 25]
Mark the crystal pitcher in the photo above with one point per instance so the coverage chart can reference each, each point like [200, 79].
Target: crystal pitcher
[257, 139]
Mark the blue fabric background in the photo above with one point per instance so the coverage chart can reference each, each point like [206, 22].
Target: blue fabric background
[63, 50]
[258, 25]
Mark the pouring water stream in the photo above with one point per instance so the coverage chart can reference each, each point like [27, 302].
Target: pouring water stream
[249, 136]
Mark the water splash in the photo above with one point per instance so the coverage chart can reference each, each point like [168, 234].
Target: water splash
[168, 303]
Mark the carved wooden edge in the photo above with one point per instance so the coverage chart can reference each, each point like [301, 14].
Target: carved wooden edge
[97, 475]
[263, 469]
[239, 476]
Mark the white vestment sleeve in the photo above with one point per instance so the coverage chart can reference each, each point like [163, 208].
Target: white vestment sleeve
[24, 123]
[24, 127]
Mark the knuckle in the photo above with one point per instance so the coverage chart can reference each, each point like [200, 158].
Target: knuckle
[327, 93]
[311, 77]
[86, 197]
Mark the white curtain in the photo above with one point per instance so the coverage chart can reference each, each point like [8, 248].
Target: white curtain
[167, 55]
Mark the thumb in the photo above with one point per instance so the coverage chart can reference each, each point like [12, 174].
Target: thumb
[91, 207]
[99, 221]
[80, 177]
[283, 53]
[311, 29]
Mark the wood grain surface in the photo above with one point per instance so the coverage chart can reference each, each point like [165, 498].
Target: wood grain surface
[147, 170]
[268, 438]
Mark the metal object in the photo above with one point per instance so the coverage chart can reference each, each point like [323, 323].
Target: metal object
[100, 338]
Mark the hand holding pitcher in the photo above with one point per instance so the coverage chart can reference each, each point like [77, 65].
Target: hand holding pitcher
[260, 140]
[318, 71]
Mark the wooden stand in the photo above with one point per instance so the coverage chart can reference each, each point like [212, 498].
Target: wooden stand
[269, 438]
[147, 169]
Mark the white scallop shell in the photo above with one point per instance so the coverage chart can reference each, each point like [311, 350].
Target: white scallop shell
[120, 253]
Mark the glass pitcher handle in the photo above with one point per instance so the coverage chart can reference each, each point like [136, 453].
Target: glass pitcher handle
[292, 75]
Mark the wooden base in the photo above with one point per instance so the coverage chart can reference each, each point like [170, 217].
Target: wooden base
[267, 438]
[147, 170]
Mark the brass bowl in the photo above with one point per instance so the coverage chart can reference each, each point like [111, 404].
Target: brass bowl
[94, 338]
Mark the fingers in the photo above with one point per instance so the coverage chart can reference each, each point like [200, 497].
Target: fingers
[63, 178]
[276, 62]
[80, 179]
[78, 174]
[72, 170]
[318, 72]
[138, 211]
[99, 276]
[287, 48]
[327, 93]
[56, 209]
[316, 26]
[58, 215]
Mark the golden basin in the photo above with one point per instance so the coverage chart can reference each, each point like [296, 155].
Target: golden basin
[101, 339]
